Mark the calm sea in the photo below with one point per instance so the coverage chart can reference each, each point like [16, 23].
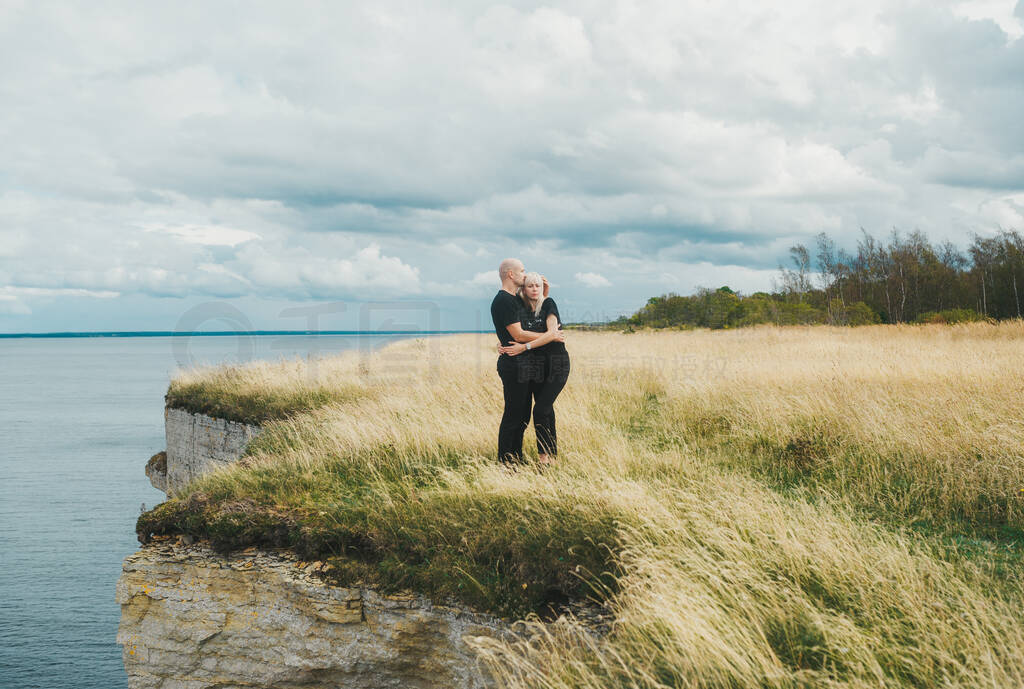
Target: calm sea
[79, 417]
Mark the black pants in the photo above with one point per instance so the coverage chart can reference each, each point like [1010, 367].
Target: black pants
[515, 381]
[544, 391]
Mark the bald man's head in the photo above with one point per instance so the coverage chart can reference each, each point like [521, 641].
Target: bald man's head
[511, 268]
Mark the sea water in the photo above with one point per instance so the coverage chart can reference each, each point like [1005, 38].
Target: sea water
[79, 417]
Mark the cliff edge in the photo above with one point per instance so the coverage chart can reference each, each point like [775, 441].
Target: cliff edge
[357, 543]
[196, 443]
[193, 618]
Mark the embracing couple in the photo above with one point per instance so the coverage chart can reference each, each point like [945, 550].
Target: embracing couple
[533, 363]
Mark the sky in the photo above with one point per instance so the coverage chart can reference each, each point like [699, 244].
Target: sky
[294, 165]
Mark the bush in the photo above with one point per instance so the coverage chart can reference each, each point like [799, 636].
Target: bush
[949, 316]
[857, 313]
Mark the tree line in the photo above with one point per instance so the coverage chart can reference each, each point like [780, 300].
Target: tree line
[905, 279]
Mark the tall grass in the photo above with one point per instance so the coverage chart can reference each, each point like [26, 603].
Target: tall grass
[919, 425]
[259, 391]
[771, 507]
[731, 586]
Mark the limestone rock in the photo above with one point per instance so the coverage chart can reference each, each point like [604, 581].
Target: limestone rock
[192, 618]
[197, 443]
[156, 470]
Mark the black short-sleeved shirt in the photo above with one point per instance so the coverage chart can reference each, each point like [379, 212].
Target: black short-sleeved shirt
[505, 310]
[539, 324]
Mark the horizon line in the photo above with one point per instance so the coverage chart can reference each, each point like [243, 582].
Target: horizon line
[214, 333]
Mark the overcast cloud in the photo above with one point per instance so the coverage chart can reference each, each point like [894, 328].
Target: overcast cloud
[159, 157]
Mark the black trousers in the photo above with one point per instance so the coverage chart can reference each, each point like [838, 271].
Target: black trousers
[544, 391]
[515, 382]
[528, 377]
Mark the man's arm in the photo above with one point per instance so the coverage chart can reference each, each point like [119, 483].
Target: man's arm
[520, 335]
[553, 334]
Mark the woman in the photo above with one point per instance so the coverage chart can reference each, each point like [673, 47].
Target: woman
[547, 364]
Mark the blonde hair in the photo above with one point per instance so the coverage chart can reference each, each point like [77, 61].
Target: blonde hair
[531, 278]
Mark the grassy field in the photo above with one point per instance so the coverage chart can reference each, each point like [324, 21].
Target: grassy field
[764, 507]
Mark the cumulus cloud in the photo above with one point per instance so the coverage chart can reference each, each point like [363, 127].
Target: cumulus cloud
[592, 279]
[13, 299]
[9, 304]
[486, 278]
[388, 149]
[204, 234]
[13, 292]
[1005, 13]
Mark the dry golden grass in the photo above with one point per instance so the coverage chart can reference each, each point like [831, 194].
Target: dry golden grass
[772, 507]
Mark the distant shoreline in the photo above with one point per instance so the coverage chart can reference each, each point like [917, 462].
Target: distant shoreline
[171, 333]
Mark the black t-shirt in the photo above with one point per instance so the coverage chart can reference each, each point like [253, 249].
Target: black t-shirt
[505, 310]
[539, 323]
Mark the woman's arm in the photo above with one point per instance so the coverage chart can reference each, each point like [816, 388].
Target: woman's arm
[552, 333]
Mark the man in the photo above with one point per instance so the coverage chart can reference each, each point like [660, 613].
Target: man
[506, 313]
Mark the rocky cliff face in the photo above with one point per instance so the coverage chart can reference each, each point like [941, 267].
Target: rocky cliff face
[196, 443]
[193, 619]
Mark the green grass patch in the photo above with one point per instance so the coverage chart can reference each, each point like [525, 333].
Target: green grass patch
[384, 521]
[230, 395]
